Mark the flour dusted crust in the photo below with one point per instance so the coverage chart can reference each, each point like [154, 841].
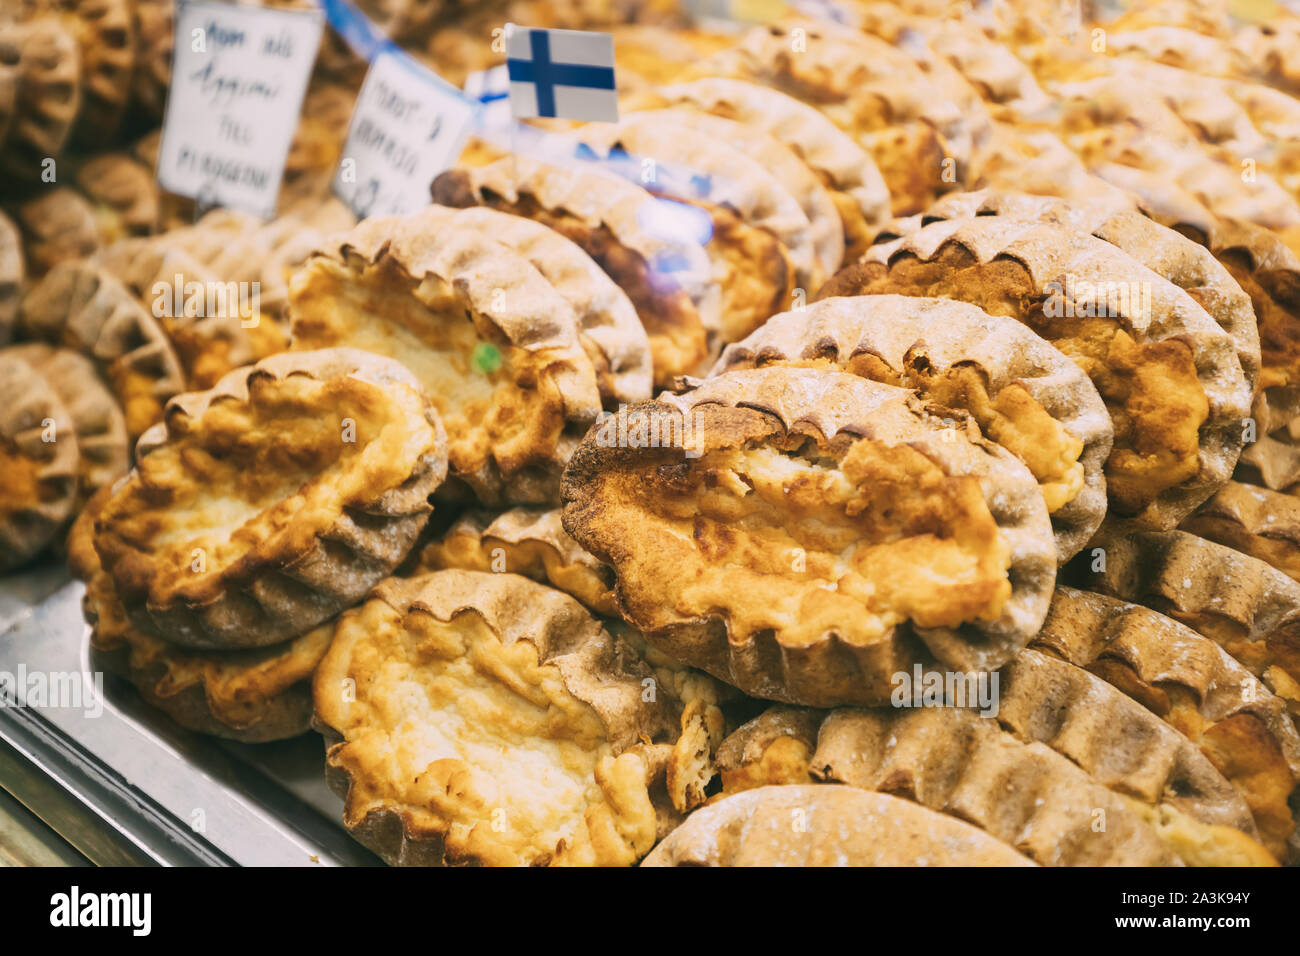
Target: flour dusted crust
[105, 33]
[611, 332]
[1231, 119]
[102, 441]
[1165, 252]
[264, 506]
[1120, 744]
[494, 721]
[1178, 430]
[841, 826]
[1180, 47]
[493, 344]
[120, 182]
[1102, 123]
[153, 56]
[669, 277]
[58, 226]
[38, 462]
[49, 94]
[1025, 794]
[12, 273]
[762, 241]
[1195, 686]
[1246, 607]
[1035, 160]
[252, 696]
[1255, 521]
[857, 188]
[817, 245]
[1000, 77]
[907, 118]
[82, 307]
[1271, 50]
[929, 344]
[527, 541]
[786, 430]
[1270, 273]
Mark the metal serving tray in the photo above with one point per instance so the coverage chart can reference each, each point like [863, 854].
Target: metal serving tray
[122, 783]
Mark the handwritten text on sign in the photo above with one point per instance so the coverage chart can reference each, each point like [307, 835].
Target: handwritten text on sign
[407, 127]
[238, 78]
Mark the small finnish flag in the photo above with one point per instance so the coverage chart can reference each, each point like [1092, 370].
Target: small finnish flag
[564, 73]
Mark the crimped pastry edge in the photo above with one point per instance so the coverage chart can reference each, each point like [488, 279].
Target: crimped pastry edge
[242, 606]
[950, 332]
[831, 403]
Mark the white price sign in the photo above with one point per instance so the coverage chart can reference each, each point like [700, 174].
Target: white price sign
[238, 78]
[408, 126]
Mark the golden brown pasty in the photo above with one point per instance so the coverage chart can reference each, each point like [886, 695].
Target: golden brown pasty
[102, 441]
[795, 531]
[1023, 393]
[761, 240]
[1194, 685]
[609, 329]
[1169, 254]
[264, 506]
[494, 345]
[527, 541]
[252, 695]
[82, 307]
[1169, 375]
[815, 240]
[1246, 607]
[826, 826]
[917, 129]
[635, 237]
[483, 718]
[855, 184]
[38, 462]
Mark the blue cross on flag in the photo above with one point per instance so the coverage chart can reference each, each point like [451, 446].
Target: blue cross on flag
[566, 73]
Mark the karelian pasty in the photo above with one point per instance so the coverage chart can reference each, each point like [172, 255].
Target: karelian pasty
[1169, 374]
[479, 718]
[826, 826]
[1023, 393]
[493, 344]
[786, 529]
[266, 505]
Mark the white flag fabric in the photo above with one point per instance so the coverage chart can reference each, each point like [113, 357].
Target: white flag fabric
[561, 73]
[491, 88]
